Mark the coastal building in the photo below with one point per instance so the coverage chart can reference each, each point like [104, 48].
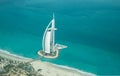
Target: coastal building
[50, 49]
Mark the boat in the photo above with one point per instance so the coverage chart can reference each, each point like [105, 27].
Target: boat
[50, 49]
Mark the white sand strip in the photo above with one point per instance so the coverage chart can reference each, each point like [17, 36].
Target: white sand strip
[48, 69]
[14, 57]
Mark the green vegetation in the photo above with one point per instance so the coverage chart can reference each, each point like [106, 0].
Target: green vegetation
[14, 68]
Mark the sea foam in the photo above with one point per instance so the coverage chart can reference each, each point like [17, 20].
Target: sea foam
[80, 71]
[18, 56]
[61, 66]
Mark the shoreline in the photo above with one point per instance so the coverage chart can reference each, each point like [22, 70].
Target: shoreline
[48, 68]
[51, 57]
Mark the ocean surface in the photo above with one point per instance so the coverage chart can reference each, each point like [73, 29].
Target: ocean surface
[90, 29]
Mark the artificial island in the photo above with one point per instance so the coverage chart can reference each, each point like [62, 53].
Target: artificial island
[14, 65]
[50, 49]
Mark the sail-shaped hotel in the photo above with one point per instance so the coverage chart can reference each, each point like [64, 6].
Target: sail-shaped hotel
[50, 49]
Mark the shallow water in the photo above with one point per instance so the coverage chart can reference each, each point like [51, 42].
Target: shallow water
[90, 29]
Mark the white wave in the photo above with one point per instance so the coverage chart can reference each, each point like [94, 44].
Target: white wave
[18, 56]
[61, 66]
[80, 71]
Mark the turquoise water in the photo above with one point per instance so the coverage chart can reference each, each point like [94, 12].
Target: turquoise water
[90, 29]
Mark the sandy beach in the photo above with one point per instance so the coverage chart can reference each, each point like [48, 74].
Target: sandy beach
[47, 69]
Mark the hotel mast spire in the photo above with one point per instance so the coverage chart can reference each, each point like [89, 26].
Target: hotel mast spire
[50, 49]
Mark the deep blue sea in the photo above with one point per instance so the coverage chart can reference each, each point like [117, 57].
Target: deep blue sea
[90, 29]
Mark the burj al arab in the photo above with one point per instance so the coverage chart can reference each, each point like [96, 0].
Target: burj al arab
[50, 47]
